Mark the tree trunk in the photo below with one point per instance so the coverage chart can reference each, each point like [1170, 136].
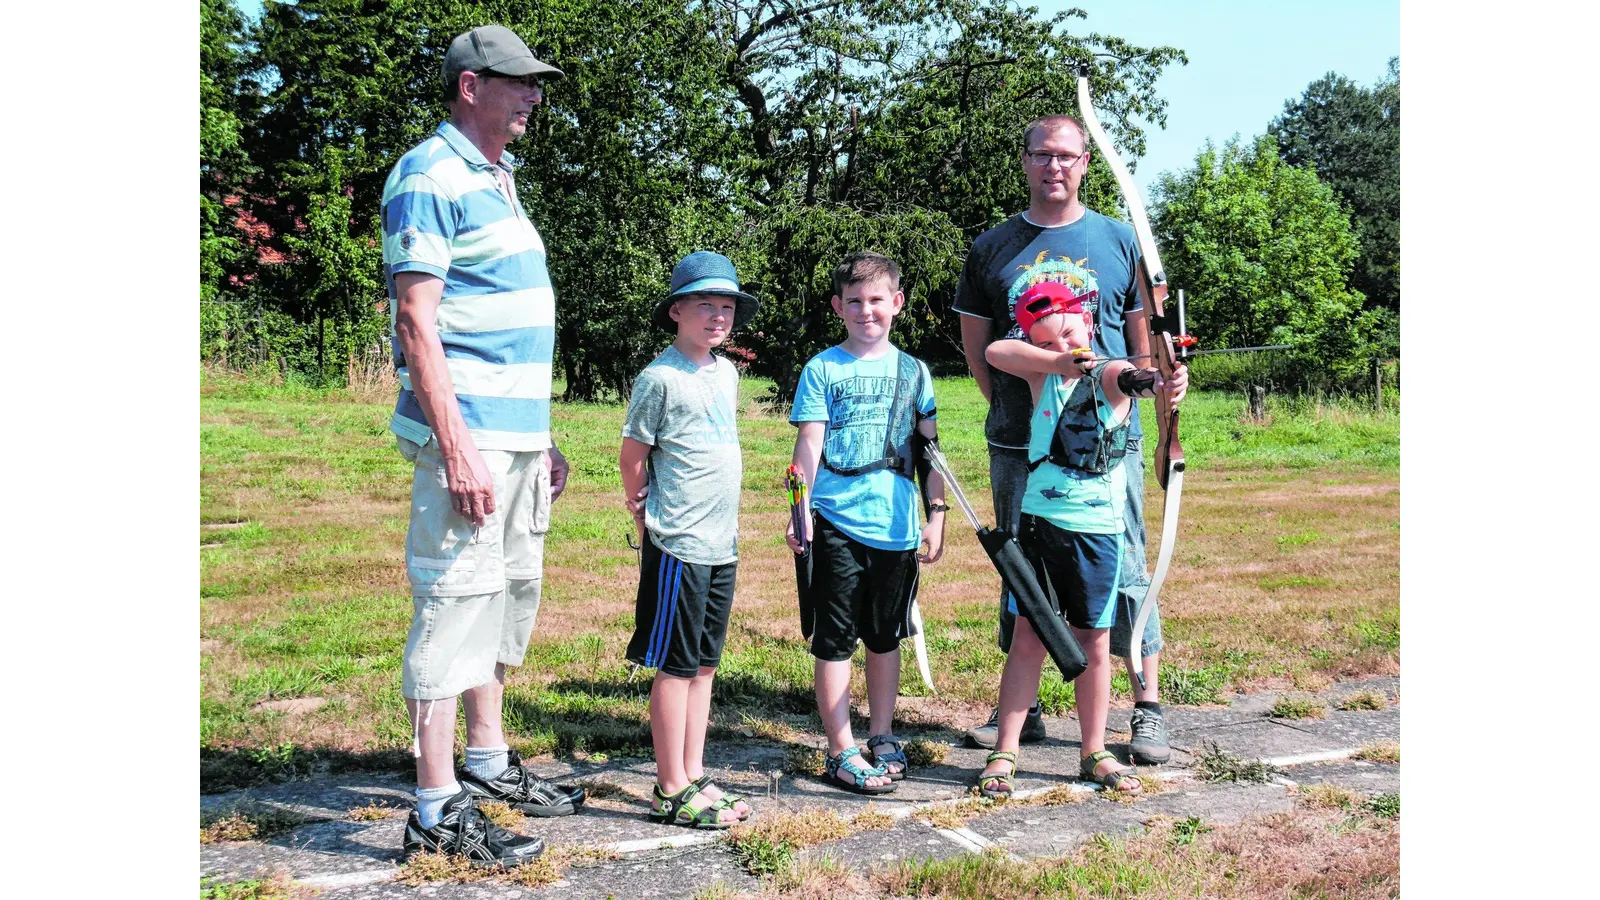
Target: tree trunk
[1258, 403]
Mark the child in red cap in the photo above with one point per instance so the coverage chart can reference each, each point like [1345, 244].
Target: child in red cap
[1072, 513]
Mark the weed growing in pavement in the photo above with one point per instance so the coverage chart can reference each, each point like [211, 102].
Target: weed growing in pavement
[954, 815]
[798, 759]
[247, 822]
[580, 856]
[1184, 831]
[1381, 751]
[1214, 764]
[870, 819]
[1058, 795]
[372, 812]
[254, 889]
[1298, 707]
[1328, 796]
[716, 890]
[1363, 700]
[600, 789]
[921, 753]
[1385, 806]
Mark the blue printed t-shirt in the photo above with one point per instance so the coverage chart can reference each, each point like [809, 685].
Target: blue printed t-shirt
[1017, 254]
[450, 213]
[880, 509]
[1071, 499]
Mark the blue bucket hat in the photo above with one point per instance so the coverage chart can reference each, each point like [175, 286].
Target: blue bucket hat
[704, 272]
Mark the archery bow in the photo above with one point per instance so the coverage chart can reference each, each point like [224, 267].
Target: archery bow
[1169, 453]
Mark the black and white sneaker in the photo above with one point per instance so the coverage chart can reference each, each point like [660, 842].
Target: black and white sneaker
[464, 830]
[1149, 746]
[524, 791]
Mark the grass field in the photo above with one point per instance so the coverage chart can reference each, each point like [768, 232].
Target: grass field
[1286, 574]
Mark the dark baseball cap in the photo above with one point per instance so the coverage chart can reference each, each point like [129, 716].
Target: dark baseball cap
[493, 47]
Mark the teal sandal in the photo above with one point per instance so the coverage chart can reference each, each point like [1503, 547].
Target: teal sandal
[1004, 784]
[677, 810]
[883, 758]
[1122, 780]
[729, 798]
[846, 760]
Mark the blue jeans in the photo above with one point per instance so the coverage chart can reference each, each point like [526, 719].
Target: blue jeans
[1008, 481]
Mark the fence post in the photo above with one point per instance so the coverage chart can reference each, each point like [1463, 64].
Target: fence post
[1377, 384]
[1257, 396]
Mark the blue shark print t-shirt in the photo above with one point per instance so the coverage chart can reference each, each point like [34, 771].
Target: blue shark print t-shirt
[853, 396]
[686, 413]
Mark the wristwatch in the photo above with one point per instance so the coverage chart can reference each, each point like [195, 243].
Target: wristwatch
[938, 507]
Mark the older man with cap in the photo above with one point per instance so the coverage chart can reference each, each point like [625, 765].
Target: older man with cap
[474, 332]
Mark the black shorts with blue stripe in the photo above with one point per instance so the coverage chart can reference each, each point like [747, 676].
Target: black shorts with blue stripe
[681, 614]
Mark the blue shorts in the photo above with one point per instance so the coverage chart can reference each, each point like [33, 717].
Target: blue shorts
[1079, 571]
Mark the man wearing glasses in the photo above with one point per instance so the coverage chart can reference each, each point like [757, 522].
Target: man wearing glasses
[1057, 239]
[474, 331]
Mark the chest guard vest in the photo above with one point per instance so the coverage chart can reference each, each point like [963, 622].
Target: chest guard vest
[903, 419]
[1081, 440]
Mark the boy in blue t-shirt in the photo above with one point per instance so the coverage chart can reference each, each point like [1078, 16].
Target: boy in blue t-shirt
[1072, 512]
[856, 407]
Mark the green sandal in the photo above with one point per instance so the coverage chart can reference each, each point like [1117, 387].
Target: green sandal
[1005, 784]
[729, 798]
[676, 810]
[1113, 780]
[847, 762]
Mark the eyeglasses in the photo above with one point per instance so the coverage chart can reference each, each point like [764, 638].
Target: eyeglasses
[1041, 160]
[532, 82]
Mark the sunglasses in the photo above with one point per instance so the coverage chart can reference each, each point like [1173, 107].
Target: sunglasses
[532, 82]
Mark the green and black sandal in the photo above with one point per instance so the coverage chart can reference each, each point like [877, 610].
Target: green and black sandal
[1003, 785]
[1123, 780]
[676, 809]
[728, 798]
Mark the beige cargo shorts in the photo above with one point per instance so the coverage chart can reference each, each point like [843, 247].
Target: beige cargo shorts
[474, 591]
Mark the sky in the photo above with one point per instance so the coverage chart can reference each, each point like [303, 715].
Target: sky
[1246, 58]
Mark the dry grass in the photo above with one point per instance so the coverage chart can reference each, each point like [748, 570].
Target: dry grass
[600, 789]
[580, 856]
[1214, 764]
[1059, 795]
[1304, 855]
[1298, 707]
[955, 815]
[1287, 575]
[434, 868]
[247, 822]
[805, 828]
[871, 819]
[799, 759]
[823, 878]
[920, 753]
[1380, 751]
[1363, 700]
[276, 887]
[374, 811]
[1328, 796]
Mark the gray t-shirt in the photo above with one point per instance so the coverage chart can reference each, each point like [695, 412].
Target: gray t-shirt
[687, 414]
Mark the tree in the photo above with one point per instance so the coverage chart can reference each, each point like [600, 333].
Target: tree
[1351, 136]
[781, 133]
[1265, 250]
[224, 162]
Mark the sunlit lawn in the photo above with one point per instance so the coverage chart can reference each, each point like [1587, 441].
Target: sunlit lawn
[1286, 571]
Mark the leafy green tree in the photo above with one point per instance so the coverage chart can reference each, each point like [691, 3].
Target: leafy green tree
[1351, 136]
[224, 162]
[781, 133]
[1264, 251]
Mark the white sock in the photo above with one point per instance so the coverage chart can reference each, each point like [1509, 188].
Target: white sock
[431, 801]
[488, 762]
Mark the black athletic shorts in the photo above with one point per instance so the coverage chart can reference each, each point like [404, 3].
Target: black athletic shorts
[860, 593]
[681, 614]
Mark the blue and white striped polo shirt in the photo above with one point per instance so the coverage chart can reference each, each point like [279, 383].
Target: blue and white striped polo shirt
[445, 214]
